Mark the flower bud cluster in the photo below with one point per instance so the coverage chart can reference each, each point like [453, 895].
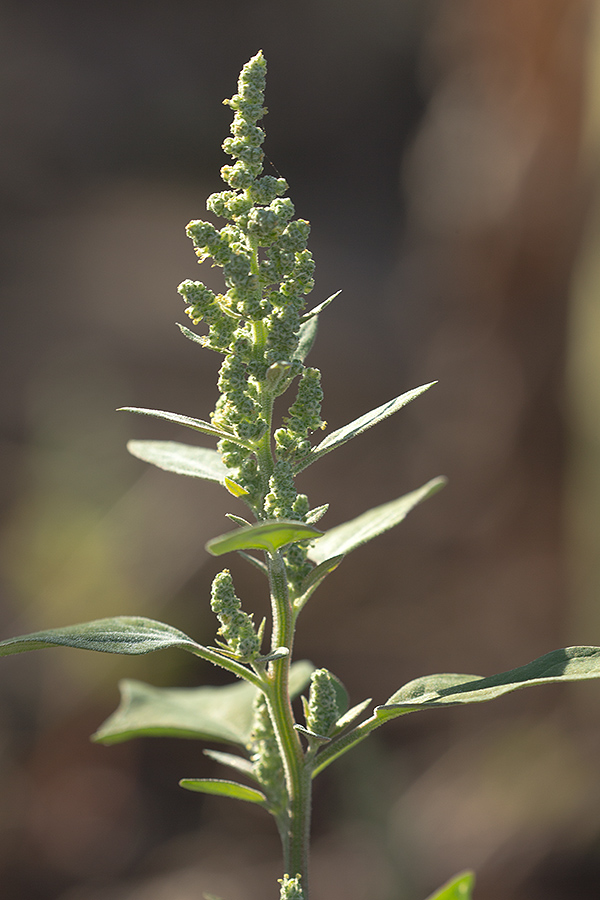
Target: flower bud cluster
[237, 626]
[255, 323]
[322, 710]
[290, 888]
[265, 755]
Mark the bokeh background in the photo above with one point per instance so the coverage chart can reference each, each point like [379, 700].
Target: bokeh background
[446, 153]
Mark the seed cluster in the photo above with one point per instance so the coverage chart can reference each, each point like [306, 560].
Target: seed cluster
[256, 322]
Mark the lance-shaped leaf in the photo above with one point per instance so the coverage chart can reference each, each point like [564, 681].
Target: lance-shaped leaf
[183, 459]
[312, 313]
[123, 634]
[306, 338]
[339, 437]
[224, 789]
[351, 715]
[239, 763]
[458, 888]
[188, 421]
[344, 538]
[224, 714]
[433, 691]
[314, 579]
[269, 536]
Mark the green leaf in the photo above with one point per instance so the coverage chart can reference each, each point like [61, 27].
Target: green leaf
[224, 714]
[349, 717]
[258, 563]
[269, 536]
[315, 515]
[235, 489]
[432, 691]
[314, 579]
[240, 763]
[205, 713]
[341, 695]
[224, 789]
[347, 537]
[123, 634]
[306, 338]
[319, 309]
[339, 437]
[196, 424]
[191, 335]
[183, 459]
[458, 888]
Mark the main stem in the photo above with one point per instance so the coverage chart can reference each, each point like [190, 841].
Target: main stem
[296, 836]
[295, 830]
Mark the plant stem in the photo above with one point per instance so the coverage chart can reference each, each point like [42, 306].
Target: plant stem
[297, 772]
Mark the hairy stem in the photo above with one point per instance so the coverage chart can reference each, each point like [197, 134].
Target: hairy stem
[295, 838]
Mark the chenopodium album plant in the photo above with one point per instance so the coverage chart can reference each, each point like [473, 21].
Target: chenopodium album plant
[261, 328]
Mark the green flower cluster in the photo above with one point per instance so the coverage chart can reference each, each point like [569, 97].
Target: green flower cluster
[237, 626]
[256, 323]
[266, 758]
[290, 888]
[322, 710]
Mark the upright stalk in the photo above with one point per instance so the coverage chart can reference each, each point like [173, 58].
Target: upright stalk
[297, 773]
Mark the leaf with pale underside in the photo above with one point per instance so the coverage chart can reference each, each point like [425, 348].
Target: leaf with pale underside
[344, 538]
[223, 714]
[269, 536]
[131, 635]
[239, 763]
[224, 789]
[316, 310]
[187, 421]
[435, 691]
[183, 459]
[306, 338]
[353, 429]
[314, 579]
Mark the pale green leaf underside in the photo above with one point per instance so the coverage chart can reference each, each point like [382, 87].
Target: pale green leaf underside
[183, 459]
[316, 310]
[306, 338]
[458, 888]
[223, 713]
[353, 429]
[239, 763]
[347, 537]
[224, 789]
[269, 536]
[431, 691]
[123, 634]
[188, 421]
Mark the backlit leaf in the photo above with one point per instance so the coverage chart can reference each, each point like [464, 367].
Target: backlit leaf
[432, 691]
[183, 459]
[344, 538]
[224, 789]
[222, 714]
[269, 536]
[353, 429]
[458, 888]
[123, 634]
[188, 421]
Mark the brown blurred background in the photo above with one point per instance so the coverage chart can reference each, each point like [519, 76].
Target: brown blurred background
[445, 152]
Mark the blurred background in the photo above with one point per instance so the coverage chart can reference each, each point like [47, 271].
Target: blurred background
[446, 154]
